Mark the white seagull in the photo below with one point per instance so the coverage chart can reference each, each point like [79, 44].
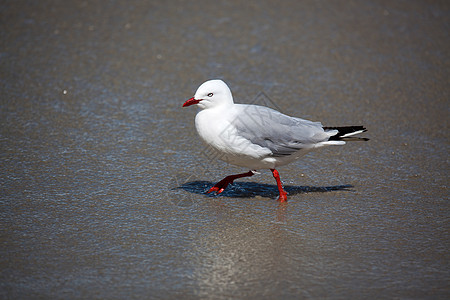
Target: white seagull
[258, 137]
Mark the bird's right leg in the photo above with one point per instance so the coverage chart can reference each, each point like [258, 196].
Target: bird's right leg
[283, 194]
[221, 185]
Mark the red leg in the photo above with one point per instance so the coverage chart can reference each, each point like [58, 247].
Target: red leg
[283, 194]
[221, 185]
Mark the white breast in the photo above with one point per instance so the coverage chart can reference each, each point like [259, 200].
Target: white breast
[216, 130]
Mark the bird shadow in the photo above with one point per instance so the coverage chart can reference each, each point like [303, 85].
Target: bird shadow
[252, 189]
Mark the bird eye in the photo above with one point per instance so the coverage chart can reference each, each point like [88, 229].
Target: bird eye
[210, 94]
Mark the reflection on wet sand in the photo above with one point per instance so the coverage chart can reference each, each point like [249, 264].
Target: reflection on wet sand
[240, 257]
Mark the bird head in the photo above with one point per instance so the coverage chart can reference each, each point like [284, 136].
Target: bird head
[212, 93]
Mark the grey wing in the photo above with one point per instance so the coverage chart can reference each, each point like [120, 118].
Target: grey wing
[280, 133]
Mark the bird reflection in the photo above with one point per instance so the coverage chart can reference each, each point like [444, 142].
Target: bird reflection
[281, 213]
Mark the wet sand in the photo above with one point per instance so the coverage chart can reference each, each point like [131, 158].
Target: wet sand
[103, 174]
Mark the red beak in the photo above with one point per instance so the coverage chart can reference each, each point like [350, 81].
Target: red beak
[191, 101]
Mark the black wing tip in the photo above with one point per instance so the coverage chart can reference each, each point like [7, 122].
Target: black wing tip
[346, 130]
[351, 139]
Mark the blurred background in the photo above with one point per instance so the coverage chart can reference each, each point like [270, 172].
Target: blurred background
[103, 175]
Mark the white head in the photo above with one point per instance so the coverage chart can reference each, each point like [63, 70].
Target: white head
[211, 93]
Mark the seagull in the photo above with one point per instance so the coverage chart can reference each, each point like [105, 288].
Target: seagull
[257, 137]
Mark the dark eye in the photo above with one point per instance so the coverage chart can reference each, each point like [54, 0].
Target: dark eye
[210, 94]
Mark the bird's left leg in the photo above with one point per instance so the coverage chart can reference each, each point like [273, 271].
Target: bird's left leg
[221, 185]
[283, 194]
